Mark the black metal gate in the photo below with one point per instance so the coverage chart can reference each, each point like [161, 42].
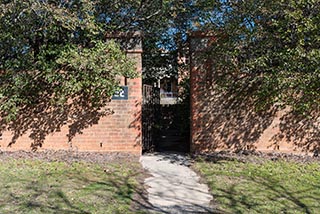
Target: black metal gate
[150, 113]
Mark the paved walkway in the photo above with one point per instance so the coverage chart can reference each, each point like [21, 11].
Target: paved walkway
[173, 186]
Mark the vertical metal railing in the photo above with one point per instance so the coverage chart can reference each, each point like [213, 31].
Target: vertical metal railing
[150, 109]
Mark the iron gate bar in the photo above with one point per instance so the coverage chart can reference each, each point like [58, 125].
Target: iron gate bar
[150, 108]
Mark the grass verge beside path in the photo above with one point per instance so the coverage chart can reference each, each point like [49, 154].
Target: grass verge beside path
[263, 186]
[37, 186]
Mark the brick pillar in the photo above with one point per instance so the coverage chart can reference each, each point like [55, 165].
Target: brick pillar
[198, 42]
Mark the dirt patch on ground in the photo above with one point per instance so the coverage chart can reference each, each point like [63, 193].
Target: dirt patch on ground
[140, 199]
[70, 156]
[256, 157]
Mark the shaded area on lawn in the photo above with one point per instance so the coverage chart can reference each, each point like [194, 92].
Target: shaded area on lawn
[30, 185]
[263, 186]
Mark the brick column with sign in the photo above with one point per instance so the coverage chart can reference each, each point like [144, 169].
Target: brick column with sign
[117, 131]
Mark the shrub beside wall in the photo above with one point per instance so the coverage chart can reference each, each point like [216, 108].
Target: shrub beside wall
[228, 119]
[116, 127]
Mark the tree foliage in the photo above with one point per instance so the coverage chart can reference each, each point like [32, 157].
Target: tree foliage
[269, 50]
[56, 49]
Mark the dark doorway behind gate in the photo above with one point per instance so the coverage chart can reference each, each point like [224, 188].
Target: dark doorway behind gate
[150, 108]
[164, 127]
[174, 128]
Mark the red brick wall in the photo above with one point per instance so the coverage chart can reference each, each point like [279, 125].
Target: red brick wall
[119, 131]
[222, 121]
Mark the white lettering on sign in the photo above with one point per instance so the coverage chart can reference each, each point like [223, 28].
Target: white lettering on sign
[121, 93]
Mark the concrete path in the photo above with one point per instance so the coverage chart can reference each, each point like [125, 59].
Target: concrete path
[173, 186]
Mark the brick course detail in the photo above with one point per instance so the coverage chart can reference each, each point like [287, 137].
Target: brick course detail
[118, 130]
[221, 121]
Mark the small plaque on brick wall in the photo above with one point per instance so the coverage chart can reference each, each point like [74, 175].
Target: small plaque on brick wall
[121, 94]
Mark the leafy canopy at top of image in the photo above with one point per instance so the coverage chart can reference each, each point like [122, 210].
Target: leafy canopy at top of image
[55, 51]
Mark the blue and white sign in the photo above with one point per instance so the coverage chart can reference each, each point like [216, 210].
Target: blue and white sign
[121, 94]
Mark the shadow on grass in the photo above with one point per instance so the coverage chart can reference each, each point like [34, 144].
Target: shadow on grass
[72, 189]
[285, 200]
[264, 190]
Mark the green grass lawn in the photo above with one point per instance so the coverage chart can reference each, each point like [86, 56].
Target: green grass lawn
[31, 186]
[263, 186]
